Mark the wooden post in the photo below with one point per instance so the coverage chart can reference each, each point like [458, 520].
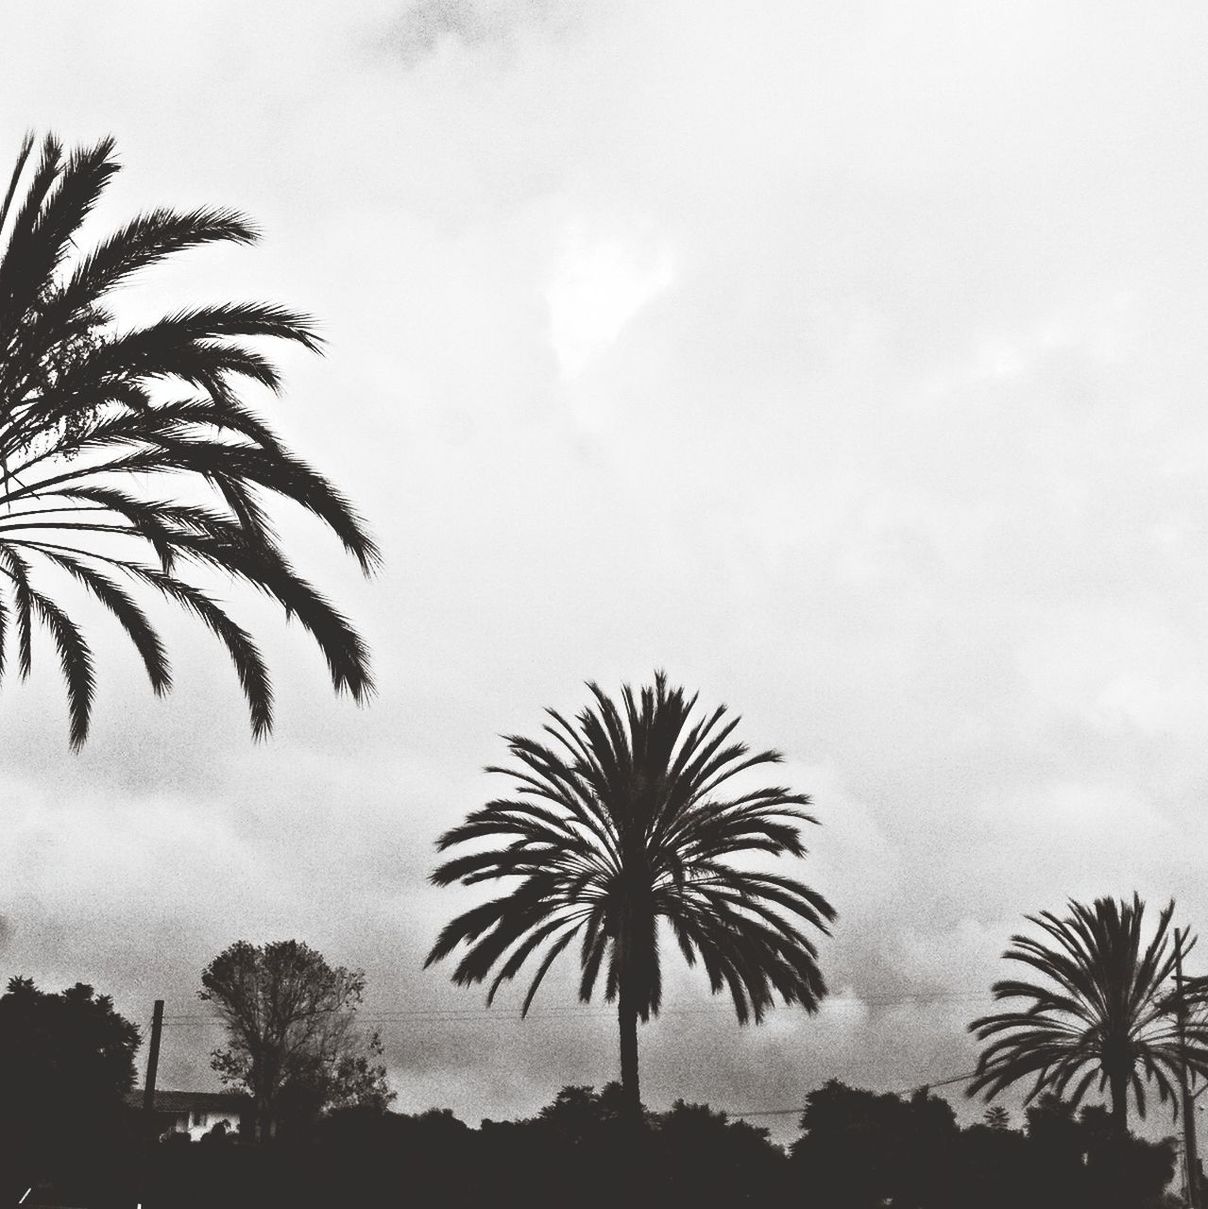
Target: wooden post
[142, 1176]
[1190, 1155]
[157, 1024]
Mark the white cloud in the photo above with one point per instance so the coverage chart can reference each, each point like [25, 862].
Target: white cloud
[599, 284]
[846, 363]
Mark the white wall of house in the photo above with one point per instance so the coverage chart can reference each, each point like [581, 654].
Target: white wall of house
[197, 1123]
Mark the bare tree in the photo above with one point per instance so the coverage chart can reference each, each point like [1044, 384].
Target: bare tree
[293, 1044]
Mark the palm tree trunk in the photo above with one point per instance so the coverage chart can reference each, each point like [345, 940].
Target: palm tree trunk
[1118, 1083]
[627, 1018]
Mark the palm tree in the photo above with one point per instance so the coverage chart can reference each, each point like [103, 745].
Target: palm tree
[1102, 1016]
[625, 818]
[92, 415]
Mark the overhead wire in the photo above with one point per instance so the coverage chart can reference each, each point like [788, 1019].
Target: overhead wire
[459, 1015]
[571, 1013]
[927, 1085]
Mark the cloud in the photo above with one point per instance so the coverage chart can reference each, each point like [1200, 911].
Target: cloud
[843, 362]
[599, 284]
[424, 26]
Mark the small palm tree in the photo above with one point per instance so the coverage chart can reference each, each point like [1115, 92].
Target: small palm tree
[1103, 1016]
[93, 415]
[626, 818]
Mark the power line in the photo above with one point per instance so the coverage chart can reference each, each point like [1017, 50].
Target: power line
[402, 1015]
[471, 1015]
[572, 1013]
[963, 1077]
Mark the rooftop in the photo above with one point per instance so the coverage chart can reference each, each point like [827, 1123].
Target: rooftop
[191, 1101]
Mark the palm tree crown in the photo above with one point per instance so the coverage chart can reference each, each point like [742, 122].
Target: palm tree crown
[1103, 1015]
[624, 818]
[92, 415]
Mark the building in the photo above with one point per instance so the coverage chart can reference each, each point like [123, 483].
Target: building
[196, 1113]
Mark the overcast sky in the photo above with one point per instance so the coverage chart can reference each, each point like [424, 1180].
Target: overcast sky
[847, 361]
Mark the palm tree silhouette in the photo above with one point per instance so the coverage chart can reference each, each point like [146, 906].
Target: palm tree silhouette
[93, 415]
[626, 818]
[1103, 1017]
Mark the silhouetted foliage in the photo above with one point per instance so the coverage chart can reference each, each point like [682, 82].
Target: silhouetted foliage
[578, 1150]
[1083, 1160]
[293, 1042]
[94, 415]
[689, 1155]
[993, 1168]
[1102, 1017]
[710, 1159]
[629, 816]
[579, 1113]
[1124, 1175]
[860, 1149]
[66, 1060]
[1056, 1148]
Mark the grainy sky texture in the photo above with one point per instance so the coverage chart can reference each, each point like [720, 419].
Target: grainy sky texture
[848, 361]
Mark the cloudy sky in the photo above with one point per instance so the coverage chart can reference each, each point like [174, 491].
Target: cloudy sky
[847, 361]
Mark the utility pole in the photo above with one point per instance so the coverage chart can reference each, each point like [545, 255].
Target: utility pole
[157, 1024]
[1190, 1156]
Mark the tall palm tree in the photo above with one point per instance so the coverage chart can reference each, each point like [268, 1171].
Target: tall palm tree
[1102, 1015]
[627, 817]
[93, 415]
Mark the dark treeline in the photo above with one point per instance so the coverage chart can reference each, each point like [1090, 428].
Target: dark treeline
[856, 1150]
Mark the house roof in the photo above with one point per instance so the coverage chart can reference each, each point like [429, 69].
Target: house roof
[192, 1101]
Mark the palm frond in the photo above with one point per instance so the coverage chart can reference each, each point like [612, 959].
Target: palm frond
[90, 415]
[618, 825]
[1101, 1011]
